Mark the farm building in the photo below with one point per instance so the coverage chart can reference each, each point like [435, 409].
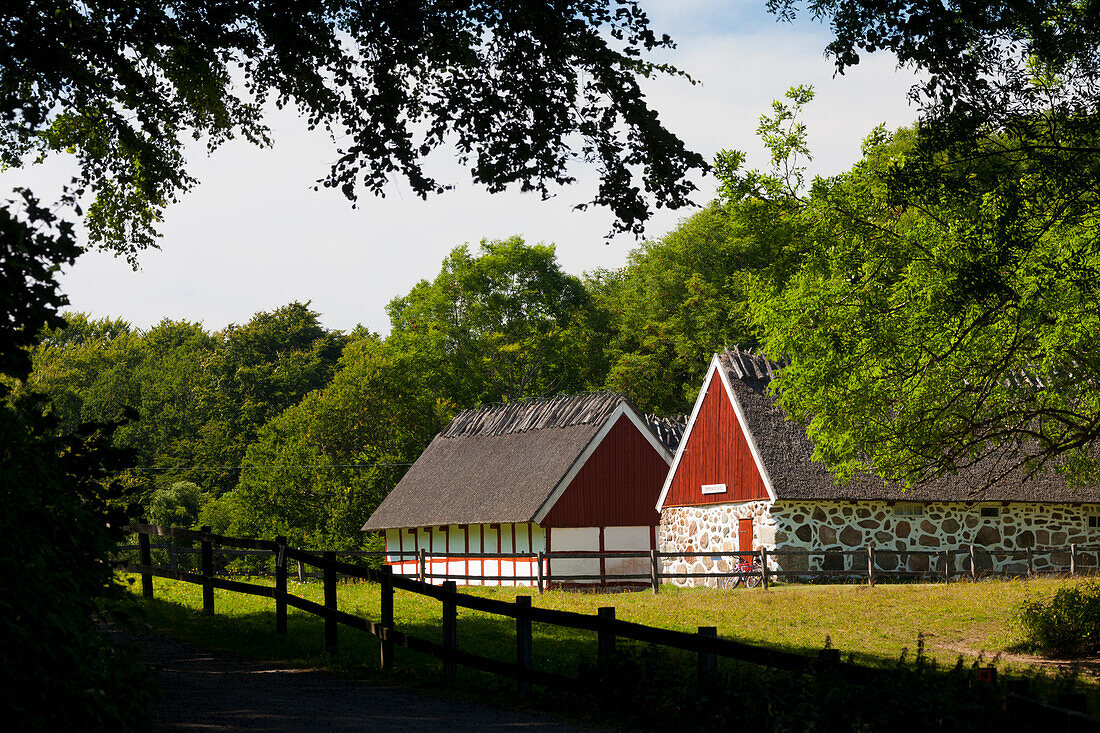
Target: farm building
[579, 473]
[743, 479]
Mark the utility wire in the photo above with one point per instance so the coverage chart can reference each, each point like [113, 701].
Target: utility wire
[241, 468]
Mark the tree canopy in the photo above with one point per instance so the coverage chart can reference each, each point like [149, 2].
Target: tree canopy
[943, 311]
[502, 324]
[522, 91]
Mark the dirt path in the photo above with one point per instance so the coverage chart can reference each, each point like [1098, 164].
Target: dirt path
[211, 691]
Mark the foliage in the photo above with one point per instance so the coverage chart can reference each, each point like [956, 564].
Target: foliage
[175, 506]
[502, 325]
[680, 299]
[201, 398]
[954, 266]
[522, 94]
[33, 245]
[319, 469]
[924, 336]
[257, 371]
[691, 293]
[1065, 624]
[58, 671]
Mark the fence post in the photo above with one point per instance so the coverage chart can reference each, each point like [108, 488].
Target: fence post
[1073, 559]
[172, 554]
[655, 570]
[1030, 563]
[538, 573]
[605, 638]
[708, 661]
[523, 641]
[764, 566]
[330, 601]
[871, 565]
[301, 571]
[145, 557]
[450, 629]
[207, 572]
[386, 614]
[280, 585]
[421, 567]
[973, 565]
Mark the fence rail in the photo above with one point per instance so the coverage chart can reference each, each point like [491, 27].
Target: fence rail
[866, 563]
[705, 643]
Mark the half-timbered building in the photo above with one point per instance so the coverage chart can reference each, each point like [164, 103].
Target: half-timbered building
[568, 474]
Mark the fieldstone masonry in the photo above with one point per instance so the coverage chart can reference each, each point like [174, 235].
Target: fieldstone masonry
[891, 527]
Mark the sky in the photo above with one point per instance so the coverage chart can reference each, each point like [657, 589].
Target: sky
[253, 234]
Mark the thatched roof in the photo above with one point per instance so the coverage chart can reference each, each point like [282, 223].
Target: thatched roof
[500, 463]
[786, 454]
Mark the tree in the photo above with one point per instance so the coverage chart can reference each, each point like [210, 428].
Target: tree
[689, 294]
[257, 371]
[175, 506]
[522, 91]
[924, 333]
[503, 325]
[33, 245]
[88, 368]
[58, 671]
[318, 470]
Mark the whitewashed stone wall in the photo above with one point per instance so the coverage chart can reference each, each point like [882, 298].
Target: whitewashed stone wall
[710, 528]
[846, 525]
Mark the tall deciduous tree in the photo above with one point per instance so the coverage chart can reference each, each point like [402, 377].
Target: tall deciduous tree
[502, 324]
[319, 469]
[929, 328]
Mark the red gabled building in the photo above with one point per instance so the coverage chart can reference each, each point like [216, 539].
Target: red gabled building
[577, 473]
[744, 478]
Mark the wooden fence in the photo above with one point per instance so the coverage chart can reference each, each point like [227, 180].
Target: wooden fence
[705, 643]
[970, 562]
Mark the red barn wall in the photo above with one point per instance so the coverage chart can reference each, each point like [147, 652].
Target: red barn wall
[618, 486]
[716, 453]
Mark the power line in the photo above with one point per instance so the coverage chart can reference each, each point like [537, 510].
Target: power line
[203, 467]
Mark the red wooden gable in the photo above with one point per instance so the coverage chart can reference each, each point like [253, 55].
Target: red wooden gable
[716, 452]
[618, 485]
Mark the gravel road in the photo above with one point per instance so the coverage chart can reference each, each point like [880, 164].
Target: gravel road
[216, 691]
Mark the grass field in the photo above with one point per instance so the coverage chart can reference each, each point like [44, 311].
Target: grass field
[869, 625]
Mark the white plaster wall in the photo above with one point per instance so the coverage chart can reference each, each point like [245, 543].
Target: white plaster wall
[565, 539]
[627, 538]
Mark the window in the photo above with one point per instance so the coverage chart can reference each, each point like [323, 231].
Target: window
[908, 510]
[1094, 521]
[990, 511]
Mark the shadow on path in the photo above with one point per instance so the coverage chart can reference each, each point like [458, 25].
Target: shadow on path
[205, 690]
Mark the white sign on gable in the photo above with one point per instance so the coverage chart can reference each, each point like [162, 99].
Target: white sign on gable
[714, 488]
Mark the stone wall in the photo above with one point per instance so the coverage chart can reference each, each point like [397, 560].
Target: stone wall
[834, 526]
[710, 528]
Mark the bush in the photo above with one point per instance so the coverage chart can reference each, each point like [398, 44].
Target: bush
[58, 670]
[1066, 624]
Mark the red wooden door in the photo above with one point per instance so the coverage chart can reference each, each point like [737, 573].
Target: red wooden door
[744, 535]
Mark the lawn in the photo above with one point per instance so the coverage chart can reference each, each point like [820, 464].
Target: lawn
[869, 625]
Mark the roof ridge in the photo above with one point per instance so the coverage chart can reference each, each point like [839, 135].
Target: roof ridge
[534, 413]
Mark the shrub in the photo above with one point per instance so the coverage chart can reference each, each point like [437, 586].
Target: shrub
[1066, 624]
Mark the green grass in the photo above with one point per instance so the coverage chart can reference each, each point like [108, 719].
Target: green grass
[869, 625]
